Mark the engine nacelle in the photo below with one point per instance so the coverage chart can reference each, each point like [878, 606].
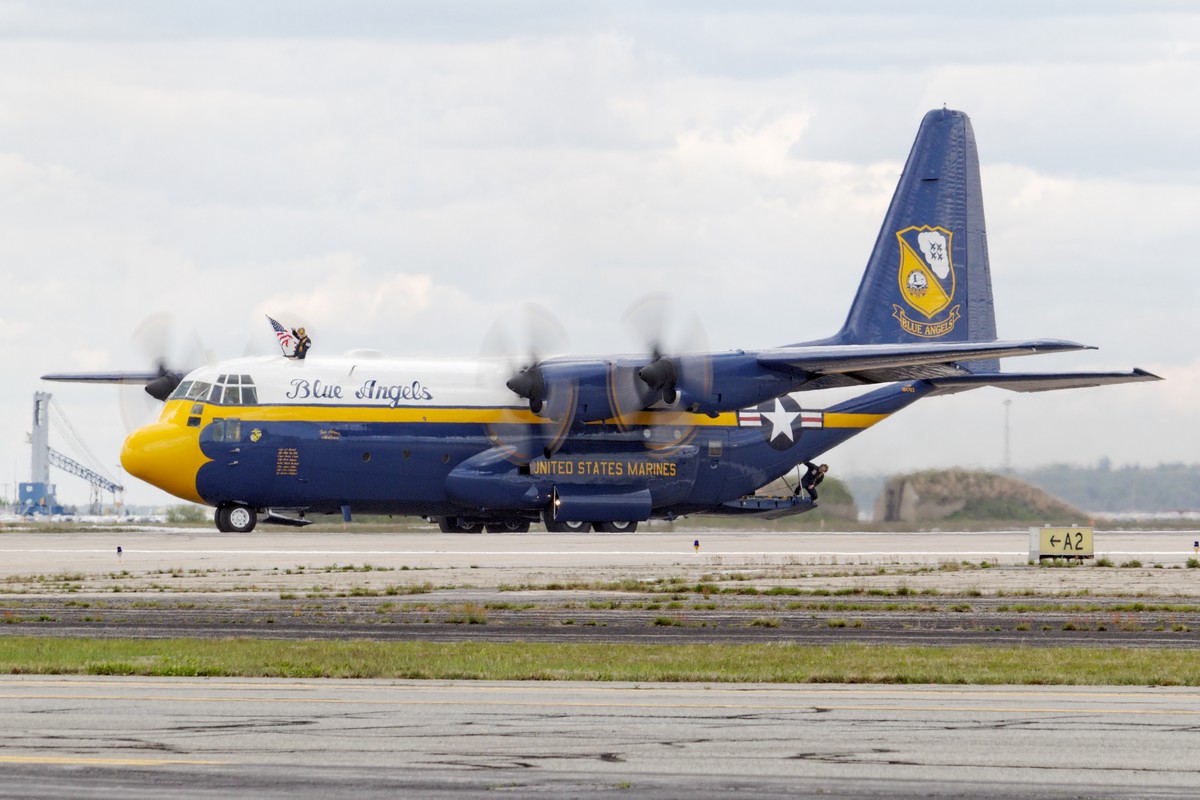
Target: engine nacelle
[711, 384]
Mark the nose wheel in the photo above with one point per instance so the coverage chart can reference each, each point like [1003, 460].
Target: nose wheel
[235, 518]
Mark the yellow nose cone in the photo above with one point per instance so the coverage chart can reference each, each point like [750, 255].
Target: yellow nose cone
[165, 455]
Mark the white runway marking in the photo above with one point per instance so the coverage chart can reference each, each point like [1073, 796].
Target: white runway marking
[681, 552]
[517, 551]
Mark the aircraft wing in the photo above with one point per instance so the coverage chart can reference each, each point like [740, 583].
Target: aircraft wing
[138, 378]
[832, 366]
[1039, 382]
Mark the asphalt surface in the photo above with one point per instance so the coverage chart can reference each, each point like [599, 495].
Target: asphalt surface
[138, 737]
[939, 588]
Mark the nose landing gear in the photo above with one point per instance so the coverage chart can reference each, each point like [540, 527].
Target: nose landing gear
[235, 518]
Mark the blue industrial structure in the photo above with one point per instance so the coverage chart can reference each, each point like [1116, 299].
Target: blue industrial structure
[37, 496]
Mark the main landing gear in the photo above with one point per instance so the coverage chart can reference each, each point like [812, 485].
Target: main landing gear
[235, 518]
[555, 526]
[508, 527]
[458, 525]
[463, 525]
[469, 525]
[616, 527]
[567, 526]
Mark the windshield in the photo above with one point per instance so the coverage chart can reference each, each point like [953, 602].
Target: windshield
[229, 390]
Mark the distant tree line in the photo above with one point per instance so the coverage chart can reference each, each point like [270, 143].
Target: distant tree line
[1167, 487]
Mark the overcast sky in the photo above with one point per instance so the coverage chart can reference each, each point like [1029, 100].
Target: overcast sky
[396, 175]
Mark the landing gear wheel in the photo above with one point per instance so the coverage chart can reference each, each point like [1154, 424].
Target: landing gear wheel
[508, 527]
[569, 527]
[616, 527]
[564, 526]
[235, 518]
[456, 525]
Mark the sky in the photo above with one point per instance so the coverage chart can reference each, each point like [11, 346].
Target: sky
[401, 176]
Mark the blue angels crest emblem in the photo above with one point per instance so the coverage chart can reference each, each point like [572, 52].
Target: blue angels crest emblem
[926, 276]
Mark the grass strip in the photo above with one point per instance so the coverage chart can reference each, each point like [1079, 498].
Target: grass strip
[751, 663]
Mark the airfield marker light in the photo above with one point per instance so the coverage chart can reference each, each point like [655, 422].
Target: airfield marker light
[696, 544]
[1196, 548]
[119, 552]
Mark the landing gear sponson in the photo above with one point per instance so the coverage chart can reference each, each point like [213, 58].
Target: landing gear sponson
[475, 525]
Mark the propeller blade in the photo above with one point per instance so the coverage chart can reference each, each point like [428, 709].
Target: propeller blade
[661, 375]
[513, 348]
[530, 384]
[174, 353]
[678, 365]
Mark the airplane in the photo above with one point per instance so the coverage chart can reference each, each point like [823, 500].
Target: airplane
[603, 443]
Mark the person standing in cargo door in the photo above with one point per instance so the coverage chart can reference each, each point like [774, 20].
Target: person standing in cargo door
[812, 478]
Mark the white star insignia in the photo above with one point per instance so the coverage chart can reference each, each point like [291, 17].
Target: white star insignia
[781, 421]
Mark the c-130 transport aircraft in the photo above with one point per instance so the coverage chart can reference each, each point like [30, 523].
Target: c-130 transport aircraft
[603, 442]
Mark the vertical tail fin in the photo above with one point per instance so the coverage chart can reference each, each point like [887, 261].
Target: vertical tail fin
[928, 277]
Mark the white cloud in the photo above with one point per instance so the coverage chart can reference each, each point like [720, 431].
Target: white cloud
[763, 150]
[398, 184]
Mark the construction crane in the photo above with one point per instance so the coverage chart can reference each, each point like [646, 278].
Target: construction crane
[38, 495]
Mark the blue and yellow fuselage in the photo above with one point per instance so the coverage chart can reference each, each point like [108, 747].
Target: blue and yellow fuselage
[440, 438]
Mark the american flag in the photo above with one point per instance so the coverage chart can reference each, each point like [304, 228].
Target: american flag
[286, 342]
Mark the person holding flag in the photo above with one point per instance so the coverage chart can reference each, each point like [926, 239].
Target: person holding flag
[302, 343]
[295, 340]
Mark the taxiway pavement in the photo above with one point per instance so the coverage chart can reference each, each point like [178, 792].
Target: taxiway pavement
[138, 737]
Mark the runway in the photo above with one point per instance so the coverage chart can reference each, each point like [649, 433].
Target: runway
[658, 547]
[87, 737]
[274, 560]
[140, 737]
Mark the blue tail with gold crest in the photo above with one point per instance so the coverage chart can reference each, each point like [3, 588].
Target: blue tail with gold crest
[928, 278]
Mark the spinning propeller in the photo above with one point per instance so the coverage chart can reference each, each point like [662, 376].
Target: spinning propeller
[171, 355]
[657, 394]
[678, 375]
[513, 354]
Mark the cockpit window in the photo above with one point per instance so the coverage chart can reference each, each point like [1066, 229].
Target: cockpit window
[226, 430]
[229, 390]
[235, 390]
[198, 391]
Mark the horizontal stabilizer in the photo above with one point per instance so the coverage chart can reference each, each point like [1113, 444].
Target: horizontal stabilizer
[850, 365]
[1039, 382]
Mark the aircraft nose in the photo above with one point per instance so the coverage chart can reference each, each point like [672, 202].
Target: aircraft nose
[167, 456]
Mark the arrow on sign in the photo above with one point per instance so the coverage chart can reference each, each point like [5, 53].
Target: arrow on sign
[1054, 541]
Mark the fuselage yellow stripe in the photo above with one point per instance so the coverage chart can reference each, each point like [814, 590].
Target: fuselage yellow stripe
[481, 415]
[836, 420]
[179, 410]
